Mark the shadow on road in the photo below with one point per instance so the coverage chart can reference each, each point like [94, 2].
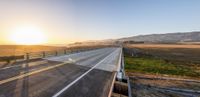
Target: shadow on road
[16, 88]
[25, 82]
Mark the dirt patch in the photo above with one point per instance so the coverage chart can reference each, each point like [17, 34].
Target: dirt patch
[144, 85]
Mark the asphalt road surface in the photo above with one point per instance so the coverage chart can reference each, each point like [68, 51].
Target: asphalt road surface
[84, 74]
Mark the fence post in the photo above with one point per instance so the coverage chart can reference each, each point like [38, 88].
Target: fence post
[43, 54]
[56, 53]
[65, 51]
[27, 56]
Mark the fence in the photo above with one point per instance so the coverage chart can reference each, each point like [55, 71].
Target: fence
[37, 55]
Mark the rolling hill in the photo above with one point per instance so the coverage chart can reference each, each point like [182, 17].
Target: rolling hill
[165, 38]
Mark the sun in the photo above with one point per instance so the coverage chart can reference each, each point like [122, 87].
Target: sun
[27, 35]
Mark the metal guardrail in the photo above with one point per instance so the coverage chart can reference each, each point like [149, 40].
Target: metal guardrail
[9, 58]
[120, 76]
[43, 54]
[125, 77]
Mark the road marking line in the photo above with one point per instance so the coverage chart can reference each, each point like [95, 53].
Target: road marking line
[30, 73]
[65, 88]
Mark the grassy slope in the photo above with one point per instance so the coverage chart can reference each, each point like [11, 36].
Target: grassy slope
[159, 66]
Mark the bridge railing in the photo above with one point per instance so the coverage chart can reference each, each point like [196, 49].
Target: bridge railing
[120, 79]
[37, 55]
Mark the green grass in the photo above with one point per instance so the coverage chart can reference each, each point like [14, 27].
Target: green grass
[158, 66]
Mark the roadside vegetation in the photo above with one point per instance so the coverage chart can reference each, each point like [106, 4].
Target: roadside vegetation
[158, 66]
[168, 61]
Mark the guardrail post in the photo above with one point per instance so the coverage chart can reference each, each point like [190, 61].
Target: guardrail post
[65, 52]
[27, 56]
[56, 53]
[43, 54]
[129, 87]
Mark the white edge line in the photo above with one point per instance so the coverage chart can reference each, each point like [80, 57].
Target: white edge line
[65, 88]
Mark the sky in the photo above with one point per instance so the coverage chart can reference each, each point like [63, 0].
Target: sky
[66, 21]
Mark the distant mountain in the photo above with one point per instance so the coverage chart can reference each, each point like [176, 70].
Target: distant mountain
[94, 42]
[165, 38]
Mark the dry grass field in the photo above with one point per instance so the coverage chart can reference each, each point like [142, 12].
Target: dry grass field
[11, 50]
[169, 59]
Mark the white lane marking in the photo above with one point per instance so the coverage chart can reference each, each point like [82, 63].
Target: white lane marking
[65, 88]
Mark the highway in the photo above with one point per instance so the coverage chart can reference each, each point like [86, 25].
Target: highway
[83, 74]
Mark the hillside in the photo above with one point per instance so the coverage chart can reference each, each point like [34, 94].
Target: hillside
[165, 38]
